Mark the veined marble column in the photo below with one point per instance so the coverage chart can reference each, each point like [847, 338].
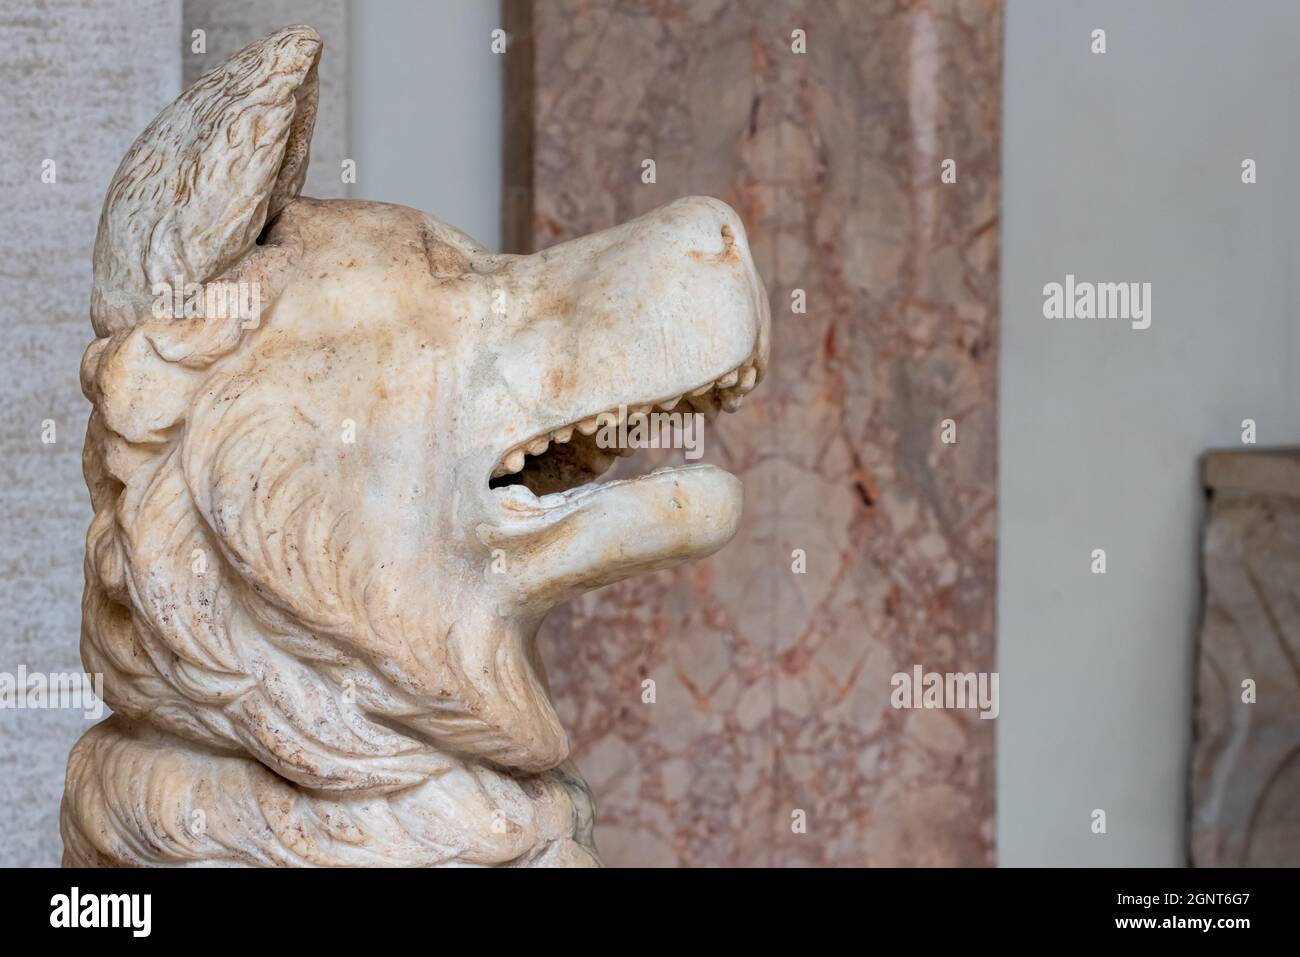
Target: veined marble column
[771, 687]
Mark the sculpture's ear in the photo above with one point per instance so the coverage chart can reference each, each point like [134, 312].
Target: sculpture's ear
[198, 185]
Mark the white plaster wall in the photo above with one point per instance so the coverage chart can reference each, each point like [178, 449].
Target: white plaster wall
[426, 109]
[1126, 166]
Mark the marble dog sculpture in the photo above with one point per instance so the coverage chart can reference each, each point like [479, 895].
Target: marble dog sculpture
[324, 540]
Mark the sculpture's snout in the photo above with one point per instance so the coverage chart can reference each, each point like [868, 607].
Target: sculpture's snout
[710, 234]
[669, 301]
[701, 243]
[662, 319]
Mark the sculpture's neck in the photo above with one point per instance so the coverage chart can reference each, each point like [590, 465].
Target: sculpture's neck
[335, 752]
[140, 797]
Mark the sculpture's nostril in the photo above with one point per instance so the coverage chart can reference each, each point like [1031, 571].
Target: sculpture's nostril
[709, 227]
[710, 250]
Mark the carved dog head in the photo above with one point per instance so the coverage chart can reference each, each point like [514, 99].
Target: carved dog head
[327, 537]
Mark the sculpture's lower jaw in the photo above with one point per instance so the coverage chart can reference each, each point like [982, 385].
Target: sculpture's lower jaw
[137, 798]
[608, 532]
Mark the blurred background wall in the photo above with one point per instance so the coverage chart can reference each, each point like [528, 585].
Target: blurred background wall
[425, 109]
[1127, 166]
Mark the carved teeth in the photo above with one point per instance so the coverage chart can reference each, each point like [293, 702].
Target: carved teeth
[724, 393]
[706, 404]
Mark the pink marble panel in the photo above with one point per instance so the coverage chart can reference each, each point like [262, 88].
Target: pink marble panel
[772, 688]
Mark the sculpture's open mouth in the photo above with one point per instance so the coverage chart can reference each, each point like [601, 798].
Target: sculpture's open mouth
[566, 533]
[562, 465]
[674, 303]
